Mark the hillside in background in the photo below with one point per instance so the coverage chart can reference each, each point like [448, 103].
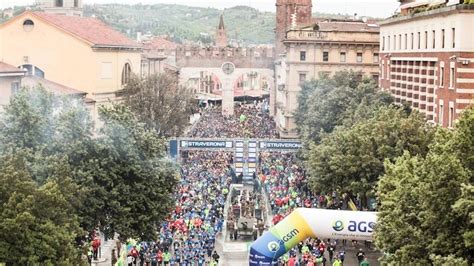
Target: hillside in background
[190, 23]
[187, 23]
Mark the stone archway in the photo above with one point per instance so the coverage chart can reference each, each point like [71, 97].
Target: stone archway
[227, 80]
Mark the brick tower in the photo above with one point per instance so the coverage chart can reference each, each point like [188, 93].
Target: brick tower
[221, 35]
[300, 10]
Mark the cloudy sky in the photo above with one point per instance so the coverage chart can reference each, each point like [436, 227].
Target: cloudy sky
[374, 8]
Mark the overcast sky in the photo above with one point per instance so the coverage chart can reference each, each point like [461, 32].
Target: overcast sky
[374, 8]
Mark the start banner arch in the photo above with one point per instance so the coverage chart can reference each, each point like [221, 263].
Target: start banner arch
[303, 223]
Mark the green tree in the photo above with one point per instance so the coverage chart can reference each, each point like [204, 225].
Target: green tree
[138, 180]
[65, 178]
[160, 103]
[38, 225]
[351, 159]
[430, 198]
[342, 99]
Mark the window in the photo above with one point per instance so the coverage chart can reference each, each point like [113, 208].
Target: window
[376, 57]
[394, 42]
[375, 77]
[15, 88]
[453, 36]
[388, 43]
[412, 41]
[39, 72]
[59, 3]
[426, 39]
[302, 77]
[127, 70]
[359, 57]
[32, 70]
[28, 25]
[342, 57]
[441, 112]
[441, 76]
[325, 56]
[406, 41]
[76, 3]
[383, 43]
[451, 77]
[399, 41]
[451, 114]
[419, 40]
[303, 56]
[106, 70]
[434, 39]
[383, 69]
[442, 38]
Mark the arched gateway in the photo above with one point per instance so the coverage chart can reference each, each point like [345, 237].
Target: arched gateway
[303, 223]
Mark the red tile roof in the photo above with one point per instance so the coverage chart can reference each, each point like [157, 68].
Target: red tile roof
[89, 29]
[33, 81]
[6, 68]
[159, 43]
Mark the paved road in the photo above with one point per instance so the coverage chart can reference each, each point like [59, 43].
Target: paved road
[239, 258]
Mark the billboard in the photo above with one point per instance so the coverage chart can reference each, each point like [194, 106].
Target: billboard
[206, 144]
[280, 145]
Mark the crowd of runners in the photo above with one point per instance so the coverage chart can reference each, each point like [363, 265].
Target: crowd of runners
[249, 121]
[189, 236]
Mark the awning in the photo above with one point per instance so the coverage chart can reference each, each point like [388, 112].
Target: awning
[415, 4]
[437, 2]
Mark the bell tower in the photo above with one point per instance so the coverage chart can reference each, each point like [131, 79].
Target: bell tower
[221, 34]
[288, 13]
[61, 7]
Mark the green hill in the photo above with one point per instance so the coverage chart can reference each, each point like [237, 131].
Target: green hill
[191, 23]
[187, 23]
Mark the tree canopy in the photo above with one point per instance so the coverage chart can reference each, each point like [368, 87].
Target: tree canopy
[351, 159]
[343, 99]
[64, 179]
[160, 103]
[426, 202]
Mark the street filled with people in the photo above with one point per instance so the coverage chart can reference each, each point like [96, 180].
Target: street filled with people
[188, 236]
[285, 183]
[248, 121]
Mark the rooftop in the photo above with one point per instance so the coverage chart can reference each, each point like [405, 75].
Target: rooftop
[49, 85]
[90, 29]
[429, 11]
[158, 43]
[341, 26]
[9, 69]
[348, 26]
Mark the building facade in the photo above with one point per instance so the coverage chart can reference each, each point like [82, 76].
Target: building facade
[62, 7]
[13, 78]
[77, 52]
[322, 48]
[10, 82]
[427, 60]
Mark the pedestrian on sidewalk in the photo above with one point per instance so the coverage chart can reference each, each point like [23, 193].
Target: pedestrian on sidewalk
[215, 256]
[364, 262]
[360, 256]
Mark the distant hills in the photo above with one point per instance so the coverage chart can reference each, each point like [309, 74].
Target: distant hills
[190, 23]
[181, 23]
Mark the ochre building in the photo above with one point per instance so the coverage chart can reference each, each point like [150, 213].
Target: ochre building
[81, 53]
